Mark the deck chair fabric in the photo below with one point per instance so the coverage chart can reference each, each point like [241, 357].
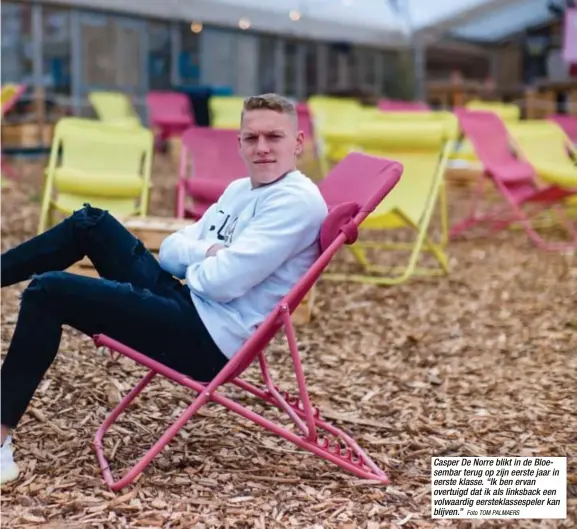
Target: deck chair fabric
[508, 112]
[169, 113]
[568, 124]
[105, 165]
[548, 149]
[349, 206]
[209, 162]
[464, 152]
[225, 112]
[309, 161]
[334, 120]
[445, 118]
[393, 105]
[422, 148]
[114, 108]
[515, 180]
[11, 93]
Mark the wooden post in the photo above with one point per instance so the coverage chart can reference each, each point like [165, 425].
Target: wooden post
[457, 96]
[572, 100]
[40, 104]
[531, 102]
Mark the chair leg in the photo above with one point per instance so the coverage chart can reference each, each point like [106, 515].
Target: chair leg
[472, 218]
[341, 450]
[422, 243]
[501, 218]
[116, 412]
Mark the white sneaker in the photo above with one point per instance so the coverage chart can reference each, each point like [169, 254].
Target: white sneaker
[8, 469]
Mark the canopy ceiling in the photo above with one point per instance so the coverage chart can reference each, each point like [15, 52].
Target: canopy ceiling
[375, 22]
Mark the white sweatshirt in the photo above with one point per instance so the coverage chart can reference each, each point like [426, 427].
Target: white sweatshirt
[270, 235]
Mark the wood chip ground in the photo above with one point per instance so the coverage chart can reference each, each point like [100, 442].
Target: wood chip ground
[483, 362]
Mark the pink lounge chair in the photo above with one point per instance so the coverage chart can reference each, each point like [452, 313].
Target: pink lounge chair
[568, 124]
[515, 181]
[209, 161]
[305, 121]
[349, 205]
[170, 113]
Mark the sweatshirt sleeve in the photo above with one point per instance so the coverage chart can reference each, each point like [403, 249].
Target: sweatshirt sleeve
[184, 247]
[284, 224]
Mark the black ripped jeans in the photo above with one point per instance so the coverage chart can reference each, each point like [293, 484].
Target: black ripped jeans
[134, 301]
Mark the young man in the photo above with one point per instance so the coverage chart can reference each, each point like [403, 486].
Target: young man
[237, 262]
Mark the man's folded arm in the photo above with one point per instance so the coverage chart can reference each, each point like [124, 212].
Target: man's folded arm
[284, 225]
[184, 247]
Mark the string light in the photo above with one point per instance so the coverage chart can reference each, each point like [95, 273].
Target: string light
[196, 27]
[244, 23]
[295, 15]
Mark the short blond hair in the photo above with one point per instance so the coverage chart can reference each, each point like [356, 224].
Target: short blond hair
[274, 102]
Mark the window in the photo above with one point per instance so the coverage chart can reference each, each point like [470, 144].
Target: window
[189, 58]
[16, 43]
[159, 56]
[291, 69]
[267, 64]
[56, 50]
[333, 68]
[311, 66]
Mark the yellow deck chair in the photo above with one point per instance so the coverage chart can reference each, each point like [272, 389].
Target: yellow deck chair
[10, 94]
[102, 164]
[225, 112]
[508, 112]
[447, 119]
[114, 108]
[550, 151]
[335, 123]
[423, 150]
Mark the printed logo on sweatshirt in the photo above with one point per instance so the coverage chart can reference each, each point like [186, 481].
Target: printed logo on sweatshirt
[226, 225]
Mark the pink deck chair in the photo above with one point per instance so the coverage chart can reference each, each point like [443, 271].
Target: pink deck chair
[209, 162]
[348, 205]
[393, 105]
[568, 124]
[169, 112]
[305, 121]
[10, 96]
[514, 179]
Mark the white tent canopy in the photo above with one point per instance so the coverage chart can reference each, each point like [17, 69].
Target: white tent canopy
[389, 23]
[505, 21]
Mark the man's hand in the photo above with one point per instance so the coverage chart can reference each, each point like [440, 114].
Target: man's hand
[214, 249]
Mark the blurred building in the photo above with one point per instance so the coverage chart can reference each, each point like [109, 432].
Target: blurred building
[295, 47]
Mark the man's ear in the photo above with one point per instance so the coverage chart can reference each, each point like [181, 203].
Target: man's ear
[300, 142]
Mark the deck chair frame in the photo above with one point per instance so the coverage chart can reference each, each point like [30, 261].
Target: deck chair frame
[335, 445]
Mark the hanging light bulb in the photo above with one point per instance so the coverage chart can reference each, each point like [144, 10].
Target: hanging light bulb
[196, 27]
[295, 15]
[244, 23]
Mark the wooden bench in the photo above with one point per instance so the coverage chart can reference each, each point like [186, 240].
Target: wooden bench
[153, 230]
